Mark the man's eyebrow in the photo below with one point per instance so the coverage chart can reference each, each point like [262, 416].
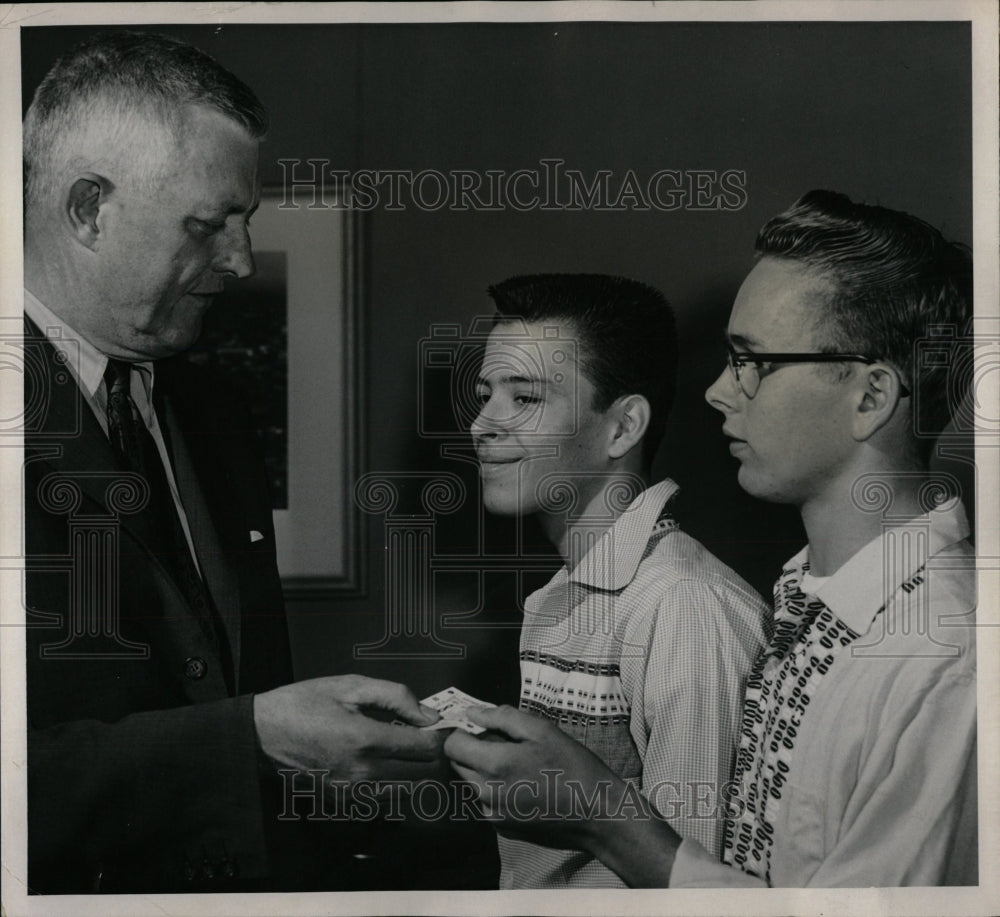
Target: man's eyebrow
[229, 209]
[740, 340]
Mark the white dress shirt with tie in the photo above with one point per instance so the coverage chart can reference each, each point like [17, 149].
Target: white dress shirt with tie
[87, 364]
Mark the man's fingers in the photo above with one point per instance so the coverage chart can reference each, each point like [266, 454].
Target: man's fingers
[410, 771]
[432, 715]
[394, 697]
[406, 743]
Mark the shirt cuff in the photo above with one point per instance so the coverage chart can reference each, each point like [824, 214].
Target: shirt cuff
[695, 867]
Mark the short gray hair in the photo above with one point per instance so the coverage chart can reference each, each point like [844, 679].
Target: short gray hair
[113, 83]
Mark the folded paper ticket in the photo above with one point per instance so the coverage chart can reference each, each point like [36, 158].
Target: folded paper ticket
[452, 704]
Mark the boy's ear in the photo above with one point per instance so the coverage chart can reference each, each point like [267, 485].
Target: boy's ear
[878, 396]
[631, 414]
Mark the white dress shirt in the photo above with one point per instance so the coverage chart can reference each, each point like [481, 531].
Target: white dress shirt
[87, 365]
[875, 785]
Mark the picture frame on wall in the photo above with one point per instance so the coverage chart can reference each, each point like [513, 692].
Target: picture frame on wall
[290, 337]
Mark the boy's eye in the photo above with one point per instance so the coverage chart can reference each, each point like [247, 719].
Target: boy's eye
[745, 360]
[526, 399]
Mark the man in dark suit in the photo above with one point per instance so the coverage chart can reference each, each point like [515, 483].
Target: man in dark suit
[158, 695]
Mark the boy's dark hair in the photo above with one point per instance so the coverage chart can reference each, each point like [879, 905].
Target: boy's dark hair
[625, 335]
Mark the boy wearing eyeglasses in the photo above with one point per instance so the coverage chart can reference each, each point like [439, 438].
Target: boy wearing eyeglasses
[856, 763]
[640, 645]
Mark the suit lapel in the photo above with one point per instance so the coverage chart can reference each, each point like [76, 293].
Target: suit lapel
[62, 432]
[65, 442]
[203, 481]
[216, 571]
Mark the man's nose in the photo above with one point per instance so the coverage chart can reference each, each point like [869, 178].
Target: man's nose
[721, 394]
[236, 254]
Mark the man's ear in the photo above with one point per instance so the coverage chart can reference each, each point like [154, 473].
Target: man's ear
[86, 196]
[879, 394]
[631, 413]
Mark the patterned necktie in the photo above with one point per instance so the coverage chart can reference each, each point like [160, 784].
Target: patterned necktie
[124, 423]
[136, 449]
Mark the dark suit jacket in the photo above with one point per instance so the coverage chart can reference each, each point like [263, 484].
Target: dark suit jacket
[144, 772]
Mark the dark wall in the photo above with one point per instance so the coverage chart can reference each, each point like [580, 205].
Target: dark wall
[881, 111]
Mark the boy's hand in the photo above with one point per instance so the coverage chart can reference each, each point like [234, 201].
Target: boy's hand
[533, 779]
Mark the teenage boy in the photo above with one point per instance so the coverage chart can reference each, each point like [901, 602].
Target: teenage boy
[857, 755]
[639, 647]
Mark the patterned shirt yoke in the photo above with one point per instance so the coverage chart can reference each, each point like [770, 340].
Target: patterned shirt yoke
[640, 653]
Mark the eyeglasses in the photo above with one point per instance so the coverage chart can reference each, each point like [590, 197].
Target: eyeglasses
[749, 368]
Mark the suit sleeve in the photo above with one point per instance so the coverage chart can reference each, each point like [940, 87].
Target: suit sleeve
[140, 777]
[182, 785]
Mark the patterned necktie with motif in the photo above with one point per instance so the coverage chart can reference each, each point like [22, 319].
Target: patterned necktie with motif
[137, 452]
[123, 416]
[806, 642]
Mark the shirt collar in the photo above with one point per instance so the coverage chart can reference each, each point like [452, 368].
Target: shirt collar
[848, 593]
[611, 564]
[84, 360]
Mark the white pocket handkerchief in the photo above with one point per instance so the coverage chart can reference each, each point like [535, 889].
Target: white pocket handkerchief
[255, 536]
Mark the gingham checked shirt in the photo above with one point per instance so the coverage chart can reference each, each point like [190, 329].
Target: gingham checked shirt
[857, 758]
[641, 653]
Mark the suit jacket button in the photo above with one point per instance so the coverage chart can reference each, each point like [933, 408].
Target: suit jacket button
[195, 667]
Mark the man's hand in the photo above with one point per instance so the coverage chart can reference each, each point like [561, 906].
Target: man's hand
[321, 724]
[533, 779]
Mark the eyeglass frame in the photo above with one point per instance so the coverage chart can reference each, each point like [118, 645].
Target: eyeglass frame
[737, 360]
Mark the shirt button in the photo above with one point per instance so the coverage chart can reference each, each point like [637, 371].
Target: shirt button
[195, 667]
